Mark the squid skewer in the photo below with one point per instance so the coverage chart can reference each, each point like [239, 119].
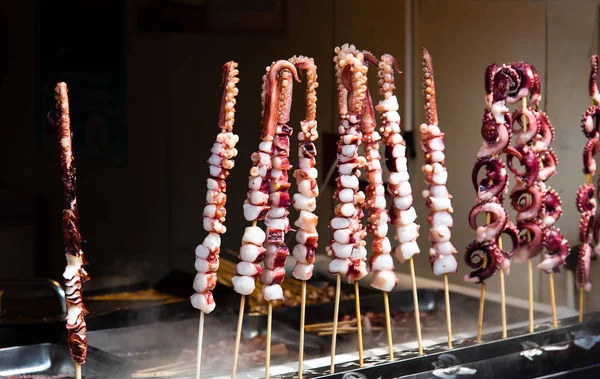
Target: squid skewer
[381, 263]
[307, 238]
[220, 162]
[258, 204]
[74, 274]
[441, 254]
[347, 248]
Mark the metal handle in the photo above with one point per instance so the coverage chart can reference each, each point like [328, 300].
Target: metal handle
[56, 288]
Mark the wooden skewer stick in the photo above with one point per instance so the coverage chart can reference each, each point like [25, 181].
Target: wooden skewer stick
[502, 295]
[268, 350]
[199, 351]
[77, 370]
[416, 302]
[358, 324]
[238, 336]
[553, 301]
[336, 311]
[481, 304]
[327, 324]
[302, 314]
[530, 285]
[448, 313]
[388, 324]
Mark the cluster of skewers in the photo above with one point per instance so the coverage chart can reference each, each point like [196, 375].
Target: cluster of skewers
[263, 252]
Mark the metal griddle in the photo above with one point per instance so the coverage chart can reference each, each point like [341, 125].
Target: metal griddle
[571, 350]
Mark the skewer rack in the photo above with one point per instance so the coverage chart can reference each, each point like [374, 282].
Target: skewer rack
[573, 347]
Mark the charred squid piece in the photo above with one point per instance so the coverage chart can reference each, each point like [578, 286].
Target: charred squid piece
[530, 84]
[589, 121]
[582, 271]
[530, 248]
[552, 209]
[545, 134]
[586, 223]
[593, 83]
[498, 218]
[511, 230]
[485, 258]
[585, 201]
[496, 136]
[528, 202]
[495, 182]
[589, 151]
[527, 132]
[557, 248]
[529, 160]
[548, 162]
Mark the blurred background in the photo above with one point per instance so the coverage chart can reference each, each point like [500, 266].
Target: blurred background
[144, 79]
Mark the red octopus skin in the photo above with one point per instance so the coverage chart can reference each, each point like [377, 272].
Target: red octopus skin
[530, 248]
[478, 253]
[530, 84]
[498, 218]
[545, 134]
[528, 202]
[585, 201]
[548, 162]
[495, 182]
[530, 162]
[582, 272]
[512, 231]
[593, 83]
[589, 151]
[552, 209]
[557, 251]
[586, 222]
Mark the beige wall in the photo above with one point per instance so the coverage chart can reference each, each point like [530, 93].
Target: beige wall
[172, 105]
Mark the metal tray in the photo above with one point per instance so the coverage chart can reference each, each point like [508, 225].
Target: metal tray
[54, 359]
[571, 348]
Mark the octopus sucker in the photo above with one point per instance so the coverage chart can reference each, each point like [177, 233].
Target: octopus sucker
[272, 94]
[589, 122]
[586, 223]
[557, 250]
[582, 271]
[552, 208]
[545, 134]
[593, 83]
[585, 201]
[589, 151]
[547, 163]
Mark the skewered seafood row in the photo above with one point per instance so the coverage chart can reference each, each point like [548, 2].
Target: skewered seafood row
[276, 222]
[219, 163]
[261, 182]
[307, 238]
[441, 254]
[538, 206]
[589, 224]
[381, 263]
[483, 255]
[74, 274]
[348, 246]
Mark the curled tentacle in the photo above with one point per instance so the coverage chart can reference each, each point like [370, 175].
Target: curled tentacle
[529, 161]
[596, 234]
[485, 258]
[308, 65]
[585, 201]
[271, 114]
[545, 134]
[557, 251]
[354, 78]
[505, 79]
[530, 248]
[528, 202]
[593, 84]
[589, 151]
[552, 209]
[548, 162]
[229, 78]
[495, 182]
[582, 272]
[489, 84]
[586, 222]
[530, 84]
[431, 117]
[498, 218]
[528, 131]
[589, 121]
[513, 233]
[496, 136]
